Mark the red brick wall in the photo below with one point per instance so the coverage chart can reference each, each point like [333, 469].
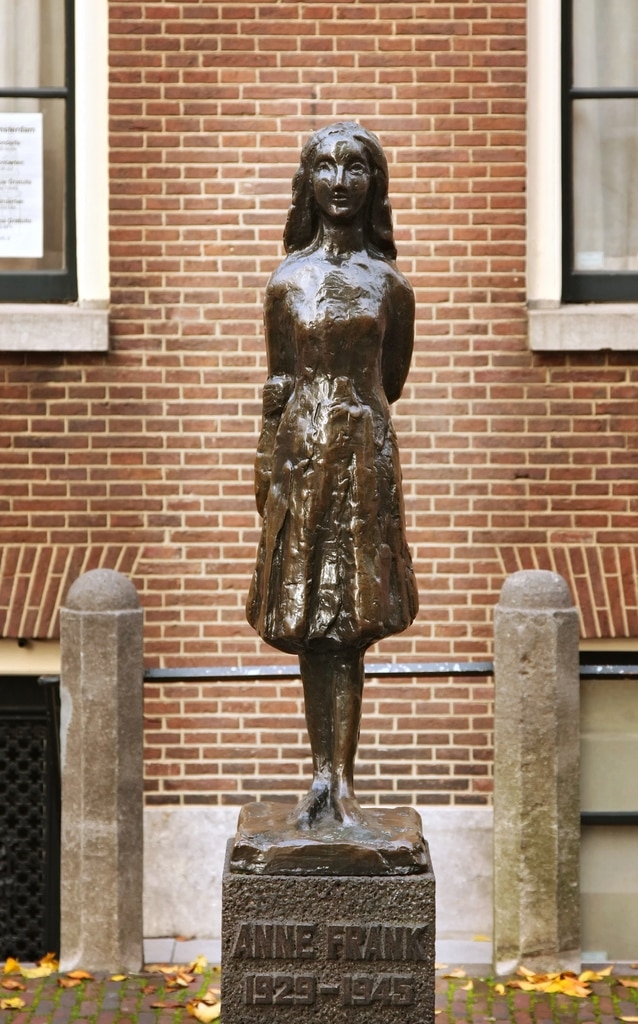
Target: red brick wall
[422, 742]
[142, 460]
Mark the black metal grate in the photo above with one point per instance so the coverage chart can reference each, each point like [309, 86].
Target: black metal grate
[29, 820]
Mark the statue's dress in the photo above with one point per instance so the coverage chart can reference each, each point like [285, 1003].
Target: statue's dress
[333, 566]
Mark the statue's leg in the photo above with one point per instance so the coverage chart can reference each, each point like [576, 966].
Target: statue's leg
[348, 673]
[316, 677]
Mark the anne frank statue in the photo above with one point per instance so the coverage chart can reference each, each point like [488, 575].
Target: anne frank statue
[333, 572]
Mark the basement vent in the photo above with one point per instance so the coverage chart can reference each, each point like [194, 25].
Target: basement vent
[29, 819]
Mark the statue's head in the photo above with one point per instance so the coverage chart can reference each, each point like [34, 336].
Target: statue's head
[302, 225]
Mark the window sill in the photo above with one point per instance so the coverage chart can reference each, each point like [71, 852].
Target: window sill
[29, 327]
[591, 328]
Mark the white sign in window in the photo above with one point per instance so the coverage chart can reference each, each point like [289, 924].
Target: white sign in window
[21, 186]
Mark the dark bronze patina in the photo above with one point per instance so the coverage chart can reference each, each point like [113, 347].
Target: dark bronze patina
[333, 573]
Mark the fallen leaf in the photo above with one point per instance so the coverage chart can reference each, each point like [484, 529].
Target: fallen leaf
[199, 965]
[148, 990]
[118, 977]
[37, 972]
[524, 986]
[203, 1011]
[628, 982]
[481, 938]
[499, 989]
[166, 1006]
[48, 958]
[440, 967]
[468, 987]
[595, 975]
[11, 966]
[165, 969]
[567, 983]
[629, 1020]
[12, 1004]
[69, 982]
[179, 980]
[525, 971]
[458, 972]
[80, 975]
[572, 987]
[13, 985]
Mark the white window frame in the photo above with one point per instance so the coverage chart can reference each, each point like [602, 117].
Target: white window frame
[553, 326]
[83, 325]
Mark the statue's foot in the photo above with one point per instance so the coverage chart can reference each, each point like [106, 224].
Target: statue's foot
[347, 809]
[310, 807]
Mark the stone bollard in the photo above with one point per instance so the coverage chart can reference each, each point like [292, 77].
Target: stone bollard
[101, 757]
[536, 775]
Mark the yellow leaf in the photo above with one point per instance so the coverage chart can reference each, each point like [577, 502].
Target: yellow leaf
[11, 966]
[199, 965]
[179, 980]
[587, 976]
[458, 972]
[629, 1020]
[468, 987]
[525, 972]
[12, 1004]
[572, 987]
[628, 982]
[13, 985]
[525, 986]
[118, 977]
[499, 989]
[37, 972]
[440, 967]
[48, 958]
[203, 1012]
[481, 938]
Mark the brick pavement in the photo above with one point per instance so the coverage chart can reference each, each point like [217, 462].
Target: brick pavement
[147, 998]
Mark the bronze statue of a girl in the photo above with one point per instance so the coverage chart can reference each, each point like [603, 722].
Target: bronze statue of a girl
[333, 572]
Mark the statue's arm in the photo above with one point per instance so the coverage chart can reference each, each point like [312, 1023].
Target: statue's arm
[398, 341]
[277, 388]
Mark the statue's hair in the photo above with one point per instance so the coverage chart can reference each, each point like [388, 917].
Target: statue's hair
[302, 225]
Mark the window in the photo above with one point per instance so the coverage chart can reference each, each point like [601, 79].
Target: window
[600, 150]
[37, 180]
[583, 313]
[74, 220]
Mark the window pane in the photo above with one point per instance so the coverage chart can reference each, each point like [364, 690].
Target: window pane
[605, 173]
[609, 738]
[53, 227]
[605, 43]
[609, 891]
[31, 43]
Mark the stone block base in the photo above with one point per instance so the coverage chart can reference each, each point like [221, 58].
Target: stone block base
[327, 949]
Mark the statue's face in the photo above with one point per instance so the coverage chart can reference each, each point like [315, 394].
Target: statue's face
[341, 177]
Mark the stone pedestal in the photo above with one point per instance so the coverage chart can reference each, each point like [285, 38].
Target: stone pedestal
[328, 949]
[536, 775]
